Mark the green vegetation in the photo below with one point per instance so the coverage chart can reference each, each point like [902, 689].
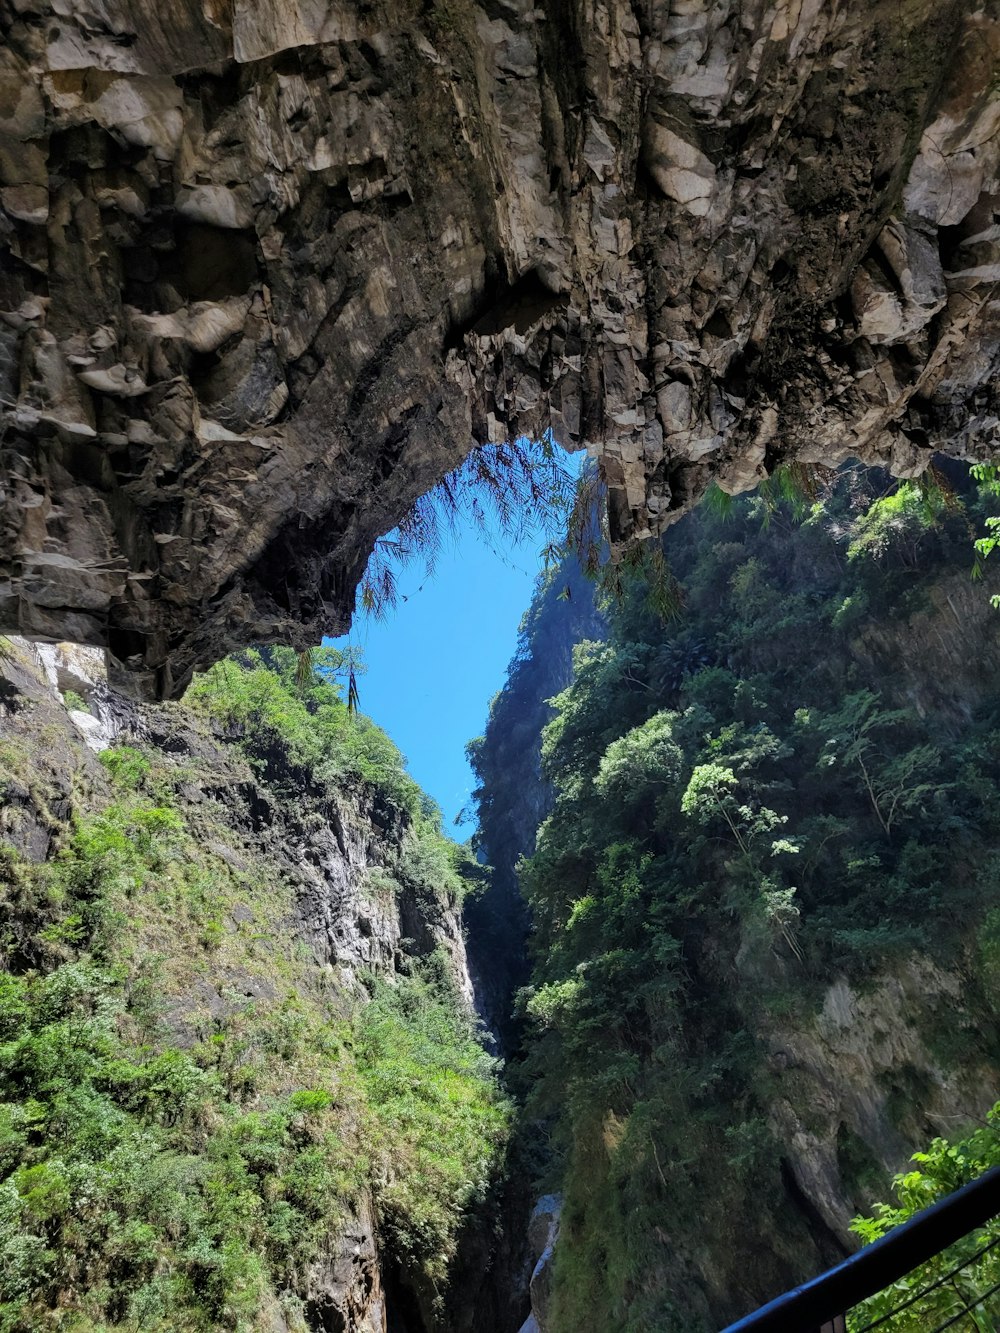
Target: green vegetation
[127, 767]
[987, 476]
[296, 732]
[290, 727]
[510, 797]
[943, 1168]
[189, 1106]
[753, 799]
[176, 1188]
[895, 526]
[437, 1120]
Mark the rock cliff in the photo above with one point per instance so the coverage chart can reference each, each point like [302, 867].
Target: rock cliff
[270, 270]
[331, 844]
[511, 797]
[258, 928]
[732, 1044]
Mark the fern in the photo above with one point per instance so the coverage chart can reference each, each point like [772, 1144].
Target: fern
[506, 488]
[718, 502]
[987, 478]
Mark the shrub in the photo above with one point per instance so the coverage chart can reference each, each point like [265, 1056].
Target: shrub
[127, 767]
[143, 1184]
[438, 1119]
[943, 1168]
[286, 724]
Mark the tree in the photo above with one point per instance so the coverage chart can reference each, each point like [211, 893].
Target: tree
[709, 795]
[894, 784]
[896, 525]
[645, 758]
[503, 489]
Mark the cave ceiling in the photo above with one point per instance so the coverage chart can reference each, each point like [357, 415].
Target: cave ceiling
[268, 270]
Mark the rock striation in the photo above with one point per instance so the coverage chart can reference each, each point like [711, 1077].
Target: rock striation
[339, 848]
[270, 271]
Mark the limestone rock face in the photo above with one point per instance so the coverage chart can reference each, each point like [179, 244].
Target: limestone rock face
[271, 269]
[843, 1079]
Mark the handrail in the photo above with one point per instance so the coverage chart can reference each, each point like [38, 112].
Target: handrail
[880, 1264]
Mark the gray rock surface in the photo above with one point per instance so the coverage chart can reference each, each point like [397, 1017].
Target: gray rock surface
[839, 1076]
[270, 270]
[345, 1288]
[543, 1232]
[71, 667]
[342, 848]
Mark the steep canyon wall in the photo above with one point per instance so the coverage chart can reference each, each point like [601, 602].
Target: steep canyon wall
[758, 984]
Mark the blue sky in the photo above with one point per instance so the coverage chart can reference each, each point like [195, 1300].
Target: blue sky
[438, 658]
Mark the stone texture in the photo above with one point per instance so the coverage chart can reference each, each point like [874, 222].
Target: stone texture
[343, 848]
[543, 1232]
[339, 847]
[847, 1071]
[67, 666]
[270, 270]
[344, 1289]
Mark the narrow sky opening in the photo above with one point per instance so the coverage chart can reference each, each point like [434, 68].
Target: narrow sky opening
[438, 658]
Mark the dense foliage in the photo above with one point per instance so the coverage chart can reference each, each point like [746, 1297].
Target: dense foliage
[511, 797]
[267, 706]
[963, 1276]
[749, 806]
[168, 1166]
[299, 731]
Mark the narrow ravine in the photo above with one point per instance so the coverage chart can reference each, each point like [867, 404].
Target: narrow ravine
[729, 922]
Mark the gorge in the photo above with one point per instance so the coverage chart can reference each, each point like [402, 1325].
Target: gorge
[237, 1016]
[761, 899]
[278, 1055]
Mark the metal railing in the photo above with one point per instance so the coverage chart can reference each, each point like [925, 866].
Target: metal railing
[819, 1306]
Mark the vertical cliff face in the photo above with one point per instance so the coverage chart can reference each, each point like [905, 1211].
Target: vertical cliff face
[277, 949]
[512, 797]
[271, 270]
[332, 845]
[764, 902]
